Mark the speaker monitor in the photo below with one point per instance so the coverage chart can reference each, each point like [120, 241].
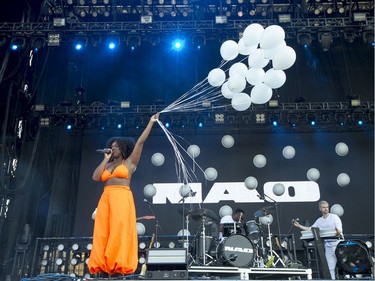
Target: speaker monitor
[167, 259]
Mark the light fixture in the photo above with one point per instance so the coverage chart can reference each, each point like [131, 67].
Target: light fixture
[200, 121]
[355, 101]
[37, 43]
[368, 37]
[340, 118]
[274, 119]
[53, 39]
[292, 120]
[125, 104]
[304, 39]
[146, 19]
[44, 122]
[80, 43]
[199, 41]
[260, 118]
[221, 19]
[273, 103]
[17, 43]
[219, 118]
[325, 40]
[58, 22]
[353, 257]
[311, 119]
[133, 42]
[358, 17]
[284, 18]
[358, 118]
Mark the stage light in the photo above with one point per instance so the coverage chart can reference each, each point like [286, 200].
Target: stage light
[368, 37]
[137, 122]
[183, 121]
[260, 118]
[358, 17]
[200, 121]
[292, 120]
[37, 43]
[146, 19]
[199, 41]
[355, 101]
[113, 42]
[340, 118]
[273, 103]
[311, 119]
[17, 43]
[304, 39]
[80, 43]
[221, 20]
[178, 44]
[358, 118]
[353, 257]
[133, 42]
[53, 39]
[284, 18]
[274, 119]
[325, 40]
[219, 118]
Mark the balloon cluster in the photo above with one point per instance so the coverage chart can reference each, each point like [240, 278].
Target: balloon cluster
[262, 47]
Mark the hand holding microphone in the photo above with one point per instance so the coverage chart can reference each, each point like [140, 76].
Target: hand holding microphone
[104, 150]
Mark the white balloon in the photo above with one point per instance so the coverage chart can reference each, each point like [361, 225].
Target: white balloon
[193, 151]
[229, 50]
[272, 36]
[289, 152]
[278, 189]
[216, 77]
[313, 174]
[236, 83]
[257, 60]
[252, 34]
[284, 58]
[244, 49]
[341, 149]
[274, 78]
[343, 179]
[227, 141]
[225, 211]
[259, 161]
[141, 229]
[260, 94]
[241, 101]
[255, 76]
[337, 209]
[266, 220]
[149, 190]
[157, 159]
[210, 174]
[251, 183]
[228, 94]
[183, 232]
[270, 53]
[238, 68]
[184, 190]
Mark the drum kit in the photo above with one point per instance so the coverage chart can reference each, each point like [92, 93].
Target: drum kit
[244, 244]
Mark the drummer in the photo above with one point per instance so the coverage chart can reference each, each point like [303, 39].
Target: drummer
[237, 217]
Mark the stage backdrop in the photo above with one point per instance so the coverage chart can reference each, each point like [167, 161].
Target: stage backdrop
[233, 166]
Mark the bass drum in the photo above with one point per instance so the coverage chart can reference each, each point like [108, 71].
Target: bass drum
[236, 250]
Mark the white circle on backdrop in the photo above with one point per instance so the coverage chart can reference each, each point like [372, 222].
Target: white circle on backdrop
[259, 161]
[278, 189]
[225, 211]
[337, 209]
[157, 159]
[343, 179]
[149, 190]
[193, 151]
[251, 183]
[289, 152]
[227, 141]
[313, 174]
[210, 174]
[141, 229]
[341, 149]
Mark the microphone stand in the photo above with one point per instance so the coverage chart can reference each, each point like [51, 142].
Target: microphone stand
[278, 223]
[157, 225]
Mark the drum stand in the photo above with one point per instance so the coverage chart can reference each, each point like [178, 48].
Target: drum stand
[204, 254]
[273, 255]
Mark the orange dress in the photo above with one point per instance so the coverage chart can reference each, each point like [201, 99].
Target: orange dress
[115, 240]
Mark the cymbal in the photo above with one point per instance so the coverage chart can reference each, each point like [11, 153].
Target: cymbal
[264, 211]
[200, 214]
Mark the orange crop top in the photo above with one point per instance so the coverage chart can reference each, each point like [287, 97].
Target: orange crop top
[121, 171]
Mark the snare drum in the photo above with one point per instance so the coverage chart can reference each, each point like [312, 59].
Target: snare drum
[207, 245]
[231, 228]
[236, 250]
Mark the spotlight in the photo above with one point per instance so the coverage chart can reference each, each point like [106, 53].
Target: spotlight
[274, 120]
[37, 43]
[177, 44]
[284, 18]
[200, 121]
[304, 39]
[80, 43]
[133, 42]
[292, 120]
[53, 39]
[357, 17]
[311, 119]
[368, 37]
[17, 43]
[325, 40]
[221, 20]
[358, 119]
[353, 257]
[199, 41]
[260, 118]
[355, 101]
[113, 42]
[183, 121]
[340, 118]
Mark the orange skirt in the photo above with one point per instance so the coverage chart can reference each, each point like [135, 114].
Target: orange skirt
[115, 240]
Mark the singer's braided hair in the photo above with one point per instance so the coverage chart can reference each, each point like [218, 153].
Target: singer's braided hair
[125, 144]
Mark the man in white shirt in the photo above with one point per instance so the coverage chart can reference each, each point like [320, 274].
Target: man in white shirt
[327, 221]
[237, 217]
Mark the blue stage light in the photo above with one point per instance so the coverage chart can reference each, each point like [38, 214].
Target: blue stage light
[178, 44]
[69, 127]
[119, 126]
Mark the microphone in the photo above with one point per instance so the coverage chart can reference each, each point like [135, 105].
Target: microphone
[148, 202]
[105, 150]
[293, 220]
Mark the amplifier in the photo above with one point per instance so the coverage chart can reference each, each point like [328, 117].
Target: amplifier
[167, 259]
[164, 274]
